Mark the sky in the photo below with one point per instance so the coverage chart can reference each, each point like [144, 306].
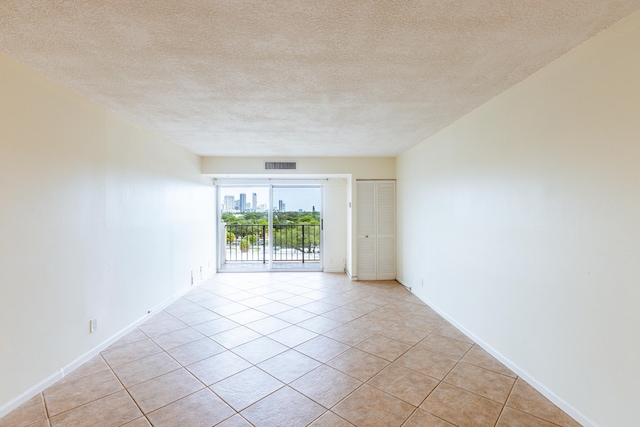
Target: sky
[295, 198]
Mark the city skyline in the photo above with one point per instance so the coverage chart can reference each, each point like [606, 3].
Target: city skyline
[294, 198]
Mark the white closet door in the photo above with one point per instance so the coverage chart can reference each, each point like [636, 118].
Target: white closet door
[376, 230]
[386, 230]
[366, 228]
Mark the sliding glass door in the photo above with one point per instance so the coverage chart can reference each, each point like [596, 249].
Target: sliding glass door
[296, 231]
[270, 227]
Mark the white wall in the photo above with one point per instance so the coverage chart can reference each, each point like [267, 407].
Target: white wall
[350, 168]
[99, 219]
[523, 221]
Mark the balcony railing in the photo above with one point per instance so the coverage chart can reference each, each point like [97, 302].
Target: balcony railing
[291, 242]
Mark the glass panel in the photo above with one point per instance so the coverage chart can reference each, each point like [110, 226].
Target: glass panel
[244, 228]
[297, 228]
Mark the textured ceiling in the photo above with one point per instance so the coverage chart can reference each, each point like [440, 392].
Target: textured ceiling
[292, 77]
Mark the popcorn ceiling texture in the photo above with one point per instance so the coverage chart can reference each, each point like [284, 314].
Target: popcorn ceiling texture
[291, 77]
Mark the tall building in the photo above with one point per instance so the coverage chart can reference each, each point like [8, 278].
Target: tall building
[281, 206]
[229, 203]
[254, 202]
[242, 207]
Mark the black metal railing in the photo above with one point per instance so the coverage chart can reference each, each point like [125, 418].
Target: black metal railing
[291, 242]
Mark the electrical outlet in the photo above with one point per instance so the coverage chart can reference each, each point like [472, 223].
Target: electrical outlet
[93, 325]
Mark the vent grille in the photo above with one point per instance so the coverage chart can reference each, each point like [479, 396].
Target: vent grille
[281, 165]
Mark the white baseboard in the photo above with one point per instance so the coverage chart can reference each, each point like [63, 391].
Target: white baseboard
[47, 382]
[560, 403]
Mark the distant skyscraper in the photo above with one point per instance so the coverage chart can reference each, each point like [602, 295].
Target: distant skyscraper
[281, 206]
[228, 203]
[243, 202]
[254, 202]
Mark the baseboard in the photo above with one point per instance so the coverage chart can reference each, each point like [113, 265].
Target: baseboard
[67, 369]
[559, 402]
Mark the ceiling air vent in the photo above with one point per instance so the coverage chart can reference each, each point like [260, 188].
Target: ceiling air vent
[280, 165]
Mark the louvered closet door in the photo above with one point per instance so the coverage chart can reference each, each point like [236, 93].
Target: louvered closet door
[386, 230]
[365, 235]
[376, 230]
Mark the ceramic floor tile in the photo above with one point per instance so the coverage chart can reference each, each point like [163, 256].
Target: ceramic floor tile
[140, 422]
[527, 399]
[319, 324]
[295, 315]
[245, 388]
[65, 396]
[446, 346]
[177, 338]
[326, 385]
[479, 357]
[235, 337]
[297, 301]
[318, 307]
[257, 301]
[384, 347]
[30, 412]
[93, 366]
[481, 381]
[259, 350]
[372, 324]
[289, 365]
[130, 352]
[273, 307]
[349, 334]
[342, 315]
[404, 383]
[268, 326]
[248, 316]
[164, 389]
[218, 367]
[235, 421]
[369, 406]
[43, 423]
[162, 327]
[285, 407]
[292, 335]
[365, 326]
[421, 418]
[111, 411]
[215, 326]
[229, 309]
[432, 364]
[196, 351]
[461, 407]
[202, 408]
[388, 313]
[426, 324]
[404, 333]
[514, 418]
[329, 419]
[427, 311]
[144, 369]
[158, 317]
[322, 348]
[358, 364]
[133, 336]
[450, 331]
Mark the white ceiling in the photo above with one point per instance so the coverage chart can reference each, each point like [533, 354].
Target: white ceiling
[292, 77]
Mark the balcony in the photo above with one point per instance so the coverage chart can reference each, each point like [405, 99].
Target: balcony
[295, 247]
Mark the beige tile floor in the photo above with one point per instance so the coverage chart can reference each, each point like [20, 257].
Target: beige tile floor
[292, 349]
